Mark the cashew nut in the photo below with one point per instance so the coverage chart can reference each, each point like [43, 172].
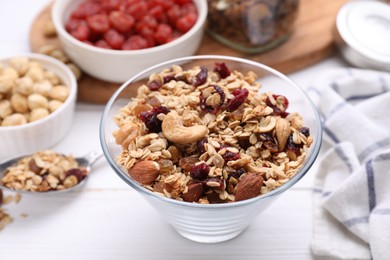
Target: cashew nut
[174, 130]
[267, 124]
[126, 134]
[282, 131]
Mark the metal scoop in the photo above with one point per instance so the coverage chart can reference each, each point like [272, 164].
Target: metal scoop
[86, 162]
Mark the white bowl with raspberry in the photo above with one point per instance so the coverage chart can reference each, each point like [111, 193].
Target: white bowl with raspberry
[114, 40]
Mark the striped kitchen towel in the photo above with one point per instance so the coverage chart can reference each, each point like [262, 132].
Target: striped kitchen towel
[351, 198]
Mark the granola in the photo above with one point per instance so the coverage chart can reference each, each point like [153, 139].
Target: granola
[44, 171]
[195, 135]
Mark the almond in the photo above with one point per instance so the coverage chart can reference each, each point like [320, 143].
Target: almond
[195, 191]
[145, 172]
[282, 131]
[249, 186]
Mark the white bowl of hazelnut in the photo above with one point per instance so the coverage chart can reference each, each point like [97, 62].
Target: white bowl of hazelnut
[37, 99]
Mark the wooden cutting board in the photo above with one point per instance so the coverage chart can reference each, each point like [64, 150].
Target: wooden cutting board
[311, 42]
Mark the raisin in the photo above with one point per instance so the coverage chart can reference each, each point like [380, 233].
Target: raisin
[187, 163]
[77, 172]
[154, 85]
[293, 149]
[237, 173]
[200, 145]
[305, 131]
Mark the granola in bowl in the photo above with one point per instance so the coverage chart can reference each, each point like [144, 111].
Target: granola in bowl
[209, 136]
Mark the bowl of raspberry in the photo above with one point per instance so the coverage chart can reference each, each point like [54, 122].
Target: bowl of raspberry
[112, 40]
[210, 141]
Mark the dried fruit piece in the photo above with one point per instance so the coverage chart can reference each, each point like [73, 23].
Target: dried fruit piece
[240, 96]
[249, 186]
[222, 69]
[151, 120]
[201, 77]
[212, 107]
[199, 171]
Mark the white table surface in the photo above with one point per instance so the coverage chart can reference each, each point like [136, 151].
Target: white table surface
[109, 220]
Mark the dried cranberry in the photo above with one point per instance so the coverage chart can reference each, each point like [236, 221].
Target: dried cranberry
[200, 145]
[201, 77]
[240, 96]
[212, 110]
[78, 173]
[277, 110]
[200, 171]
[168, 78]
[222, 69]
[305, 131]
[230, 156]
[150, 118]
[154, 85]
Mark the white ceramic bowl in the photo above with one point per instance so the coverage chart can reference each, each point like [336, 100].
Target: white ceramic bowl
[120, 65]
[212, 223]
[43, 133]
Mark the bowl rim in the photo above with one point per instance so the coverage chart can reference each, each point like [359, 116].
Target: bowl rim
[291, 182]
[59, 26]
[69, 100]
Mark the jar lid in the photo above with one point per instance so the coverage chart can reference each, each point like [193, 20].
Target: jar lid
[364, 33]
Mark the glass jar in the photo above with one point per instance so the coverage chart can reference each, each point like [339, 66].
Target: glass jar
[251, 26]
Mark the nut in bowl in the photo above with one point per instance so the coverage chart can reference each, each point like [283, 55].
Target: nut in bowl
[120, 32]
[210, 137]
[37, 99]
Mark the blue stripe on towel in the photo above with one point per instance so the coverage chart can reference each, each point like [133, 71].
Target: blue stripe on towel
[370, 185]
[385, 211]
[375, 146]
[384, 84]
[331, 134]
[355, 221]
[344, 157]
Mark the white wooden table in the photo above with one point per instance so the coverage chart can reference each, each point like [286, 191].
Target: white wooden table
[109, 220]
